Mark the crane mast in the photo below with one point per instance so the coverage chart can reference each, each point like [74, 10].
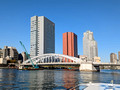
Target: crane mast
[35, 66]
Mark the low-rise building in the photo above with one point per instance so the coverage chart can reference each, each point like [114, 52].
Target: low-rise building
[24, 56]
[1, 53]
[119, 56]
[10, 53]
[97, 59]
[83, 57]
[2, 61]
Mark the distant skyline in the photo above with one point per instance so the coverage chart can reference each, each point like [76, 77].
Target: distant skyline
[102, 17]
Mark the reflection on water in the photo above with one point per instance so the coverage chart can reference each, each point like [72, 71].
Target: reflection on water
[69, 79]
[53, 79]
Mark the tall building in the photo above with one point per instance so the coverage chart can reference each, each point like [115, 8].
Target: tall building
[10, 53]
[70, 44]
[42, 36]
[119, 56]
[89, 46]
[113, 58]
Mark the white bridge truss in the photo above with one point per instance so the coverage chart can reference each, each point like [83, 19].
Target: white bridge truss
[53, 58]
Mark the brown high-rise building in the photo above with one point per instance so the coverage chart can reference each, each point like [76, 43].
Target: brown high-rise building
[70, 44]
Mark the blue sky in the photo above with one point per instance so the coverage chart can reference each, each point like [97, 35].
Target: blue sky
[102, 17]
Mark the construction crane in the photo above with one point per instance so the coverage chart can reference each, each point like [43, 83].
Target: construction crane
[35, 66]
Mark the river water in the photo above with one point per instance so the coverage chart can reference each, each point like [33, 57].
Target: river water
[13, 79]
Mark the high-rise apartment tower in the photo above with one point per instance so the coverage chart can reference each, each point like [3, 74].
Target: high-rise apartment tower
[89, 46]
[42, 36]
[70, 44]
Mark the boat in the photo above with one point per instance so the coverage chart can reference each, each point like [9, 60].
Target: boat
[71, 69]
[97, 86]
[29, 68]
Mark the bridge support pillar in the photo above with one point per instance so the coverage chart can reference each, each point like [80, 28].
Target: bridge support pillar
[86, 66]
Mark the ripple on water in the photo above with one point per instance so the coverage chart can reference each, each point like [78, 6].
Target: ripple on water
[53, 79]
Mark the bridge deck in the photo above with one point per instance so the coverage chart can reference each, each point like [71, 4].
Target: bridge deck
[106, 64]
[72, 63]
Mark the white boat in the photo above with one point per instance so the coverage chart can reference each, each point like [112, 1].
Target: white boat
[97, 86]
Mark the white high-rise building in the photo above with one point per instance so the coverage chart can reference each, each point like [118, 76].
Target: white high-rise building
[42, 36]
[89, 46]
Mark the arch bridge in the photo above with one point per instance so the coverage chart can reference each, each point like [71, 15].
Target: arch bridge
[53, 59]
[59, 59]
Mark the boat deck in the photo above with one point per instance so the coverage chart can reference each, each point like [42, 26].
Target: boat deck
[98, 86]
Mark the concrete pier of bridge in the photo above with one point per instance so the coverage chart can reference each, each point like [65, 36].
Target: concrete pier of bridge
[88, 66]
